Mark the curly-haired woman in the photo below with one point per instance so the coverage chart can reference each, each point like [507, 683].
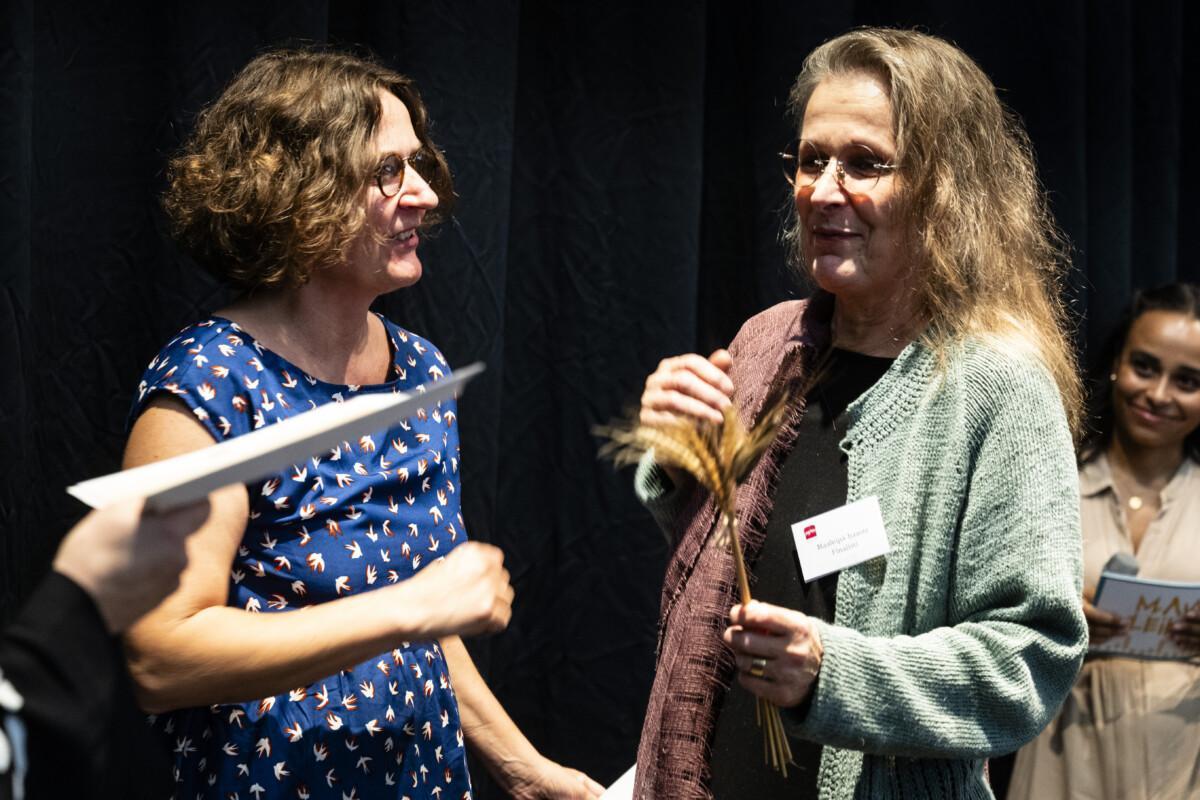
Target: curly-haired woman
[310, 647]
[930, 371]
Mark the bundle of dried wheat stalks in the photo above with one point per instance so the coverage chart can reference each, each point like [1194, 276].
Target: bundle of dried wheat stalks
[719, 457]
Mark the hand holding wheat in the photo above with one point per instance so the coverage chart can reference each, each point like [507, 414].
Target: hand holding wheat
[719, 455]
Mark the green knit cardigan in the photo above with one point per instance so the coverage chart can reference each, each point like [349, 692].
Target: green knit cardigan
[964, 640]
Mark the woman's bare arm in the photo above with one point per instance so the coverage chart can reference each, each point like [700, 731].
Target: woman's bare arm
[194, 650]
[511, 759]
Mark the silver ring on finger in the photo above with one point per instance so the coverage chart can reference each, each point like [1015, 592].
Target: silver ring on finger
[758, 668]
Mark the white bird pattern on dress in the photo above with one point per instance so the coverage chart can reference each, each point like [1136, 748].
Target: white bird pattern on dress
[325, 740]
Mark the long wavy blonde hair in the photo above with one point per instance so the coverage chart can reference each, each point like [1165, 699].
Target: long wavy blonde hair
[988, 257]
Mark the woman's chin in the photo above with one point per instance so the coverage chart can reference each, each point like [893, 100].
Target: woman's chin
[404, 272]
[835, 273]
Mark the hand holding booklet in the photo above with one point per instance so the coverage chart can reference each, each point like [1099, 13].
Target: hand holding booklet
[189, 477]
[1150, 607]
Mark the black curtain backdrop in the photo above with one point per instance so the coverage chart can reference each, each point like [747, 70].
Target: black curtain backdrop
[620, 202]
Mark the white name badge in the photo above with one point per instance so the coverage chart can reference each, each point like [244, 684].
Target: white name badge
[840, 538]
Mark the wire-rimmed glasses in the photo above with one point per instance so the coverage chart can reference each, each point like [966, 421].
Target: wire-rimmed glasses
[856, 167]
[390, 175]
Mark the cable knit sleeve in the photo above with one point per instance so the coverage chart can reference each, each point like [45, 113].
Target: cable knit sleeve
[966, 641]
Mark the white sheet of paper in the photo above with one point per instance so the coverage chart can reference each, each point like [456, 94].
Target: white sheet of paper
[622, 788]
[183, 479]
[1151, 607]
[840, 538]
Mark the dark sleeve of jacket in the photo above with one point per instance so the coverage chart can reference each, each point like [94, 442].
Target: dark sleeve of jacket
[85, 736]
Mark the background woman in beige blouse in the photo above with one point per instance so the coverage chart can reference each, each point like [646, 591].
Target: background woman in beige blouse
[1131, 728]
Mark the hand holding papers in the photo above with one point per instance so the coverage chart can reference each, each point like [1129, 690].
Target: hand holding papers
[183, 479]
[1151, 608]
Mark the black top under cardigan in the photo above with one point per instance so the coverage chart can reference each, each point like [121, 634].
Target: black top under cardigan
[812, 480]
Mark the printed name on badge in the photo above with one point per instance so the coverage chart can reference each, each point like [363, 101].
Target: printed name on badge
[841, 538]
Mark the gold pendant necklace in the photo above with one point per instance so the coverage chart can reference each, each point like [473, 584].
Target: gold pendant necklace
[1135, 494]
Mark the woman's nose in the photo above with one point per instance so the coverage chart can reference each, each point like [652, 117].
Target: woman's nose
[827, 189]
[1160, 390]
[416, 191]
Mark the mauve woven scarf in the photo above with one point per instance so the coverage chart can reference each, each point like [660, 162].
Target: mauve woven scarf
[776, 349]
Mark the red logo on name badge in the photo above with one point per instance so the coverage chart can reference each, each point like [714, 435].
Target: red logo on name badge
[810, 531]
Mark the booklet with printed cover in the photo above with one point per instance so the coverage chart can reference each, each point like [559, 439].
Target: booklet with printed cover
[1150, 607]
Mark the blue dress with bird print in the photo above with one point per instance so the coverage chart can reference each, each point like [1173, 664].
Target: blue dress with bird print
[368, 513]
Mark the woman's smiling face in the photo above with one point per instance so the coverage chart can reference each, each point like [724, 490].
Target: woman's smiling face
[1156, 391]
[393, 263]
[852, 242]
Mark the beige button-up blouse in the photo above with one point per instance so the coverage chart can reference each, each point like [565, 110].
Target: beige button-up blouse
[1130, 729]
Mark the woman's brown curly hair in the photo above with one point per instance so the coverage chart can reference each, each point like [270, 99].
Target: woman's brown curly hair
[270, 186]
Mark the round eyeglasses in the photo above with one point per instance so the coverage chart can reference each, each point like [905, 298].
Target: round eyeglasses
[390, 175]
[856, 168]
